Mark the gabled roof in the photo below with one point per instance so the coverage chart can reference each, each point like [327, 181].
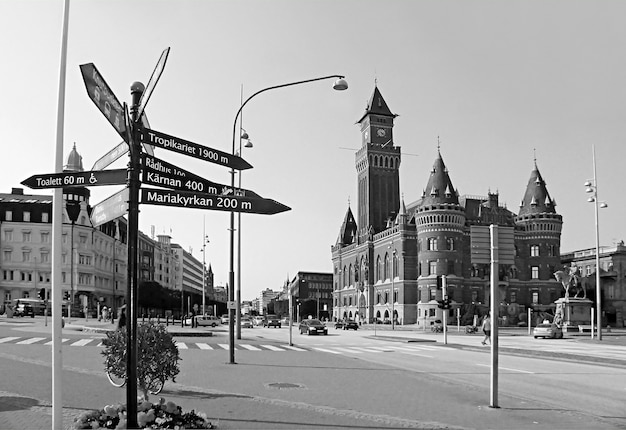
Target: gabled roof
[377, 106]
[347, 233]
[536, 199]
[439, 188]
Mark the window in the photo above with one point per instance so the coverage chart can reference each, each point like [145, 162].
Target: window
[26, 236]
[432, 267]
[8, 235]
[45, 257]
[84, 259]
[26, 216]
[534, 272]
[45, 217]
[432, 244]
[8, 216]
[513, 296]
[387, 266]
[432, 294]
[25, 256]
[450, 243]
[534, 250]
[45, 237]
[535, 297]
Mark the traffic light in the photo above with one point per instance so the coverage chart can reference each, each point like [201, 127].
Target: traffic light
[447, 304]
[66, 295]
[441, 304]
[42, 294]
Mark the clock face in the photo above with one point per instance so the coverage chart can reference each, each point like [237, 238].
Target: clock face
[381, 132]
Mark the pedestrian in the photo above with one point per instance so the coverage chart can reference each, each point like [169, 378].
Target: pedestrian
[121, 318]
[486, 326]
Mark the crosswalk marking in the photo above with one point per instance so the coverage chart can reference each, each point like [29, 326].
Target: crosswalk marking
[30, 341]
[8, 339]
[223, 346]
[62, 341]
[204, 345]
[82, 342]
[350, 350]
[293, 348]
[181, 345]
[273, 348]
[327, 350]
[250, 347]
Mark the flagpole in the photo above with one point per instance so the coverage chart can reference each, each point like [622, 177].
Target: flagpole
[57, 238]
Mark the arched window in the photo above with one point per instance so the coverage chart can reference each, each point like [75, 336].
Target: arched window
[345, 276]
[386, 297]
[394, 272]
[351, 275]
[379, 273]
[387, 267]
[432, 244]
[450, 242]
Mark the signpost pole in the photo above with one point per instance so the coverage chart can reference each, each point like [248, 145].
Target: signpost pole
[494, 315]
[134, 168]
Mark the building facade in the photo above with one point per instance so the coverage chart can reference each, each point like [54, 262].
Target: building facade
[312, 295]
[387, 260]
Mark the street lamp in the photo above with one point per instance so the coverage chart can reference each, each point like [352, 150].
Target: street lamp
[72, 205]
[340, 84]
[592, 187]
[243, 135]
[204, 243]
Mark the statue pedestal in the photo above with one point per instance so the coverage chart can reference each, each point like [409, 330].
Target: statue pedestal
[575, 312]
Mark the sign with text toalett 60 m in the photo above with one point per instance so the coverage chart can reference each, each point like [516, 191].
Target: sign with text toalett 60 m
[100, 93]
[77, 179]
[175, 144]
[229, 203]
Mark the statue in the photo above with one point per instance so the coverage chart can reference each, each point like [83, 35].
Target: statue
[571, 279]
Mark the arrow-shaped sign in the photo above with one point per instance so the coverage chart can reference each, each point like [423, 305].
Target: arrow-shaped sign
[103, 97]
[185, 199]
[163, 174]
[110, 208]
[165, 141]
[154, 78]
[77, 179]
[108, 158]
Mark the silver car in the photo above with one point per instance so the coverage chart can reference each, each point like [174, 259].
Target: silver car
[548, 330]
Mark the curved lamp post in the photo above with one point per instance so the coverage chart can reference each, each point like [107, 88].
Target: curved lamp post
[243, 135]
[592, 187]
[340, 84]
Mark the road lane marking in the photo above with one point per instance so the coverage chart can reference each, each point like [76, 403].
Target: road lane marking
[367, 349]
[204, 345]
[62, 341]
[327, 350]
[181, 345]
[249, 347]
[294, 348]
[273, 348]
[8, 339]
[223, 346]
[506, 368]
[30, 340]
[82, 342]
[415, 354]
[350, 350]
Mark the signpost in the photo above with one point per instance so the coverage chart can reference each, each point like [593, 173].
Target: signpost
[163, 174]
[77, 179]
[171, 143]
[103, 97]
[110, 208]
[228, 203]
[154, 78]
[111, 156]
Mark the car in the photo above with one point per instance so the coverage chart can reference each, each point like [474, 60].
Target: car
[224, 319]
[24, 310]
[550, 330]
[258, 320]
[246, 322]
[272, 321]
[312, 326]
[205, 320]
[347, 325]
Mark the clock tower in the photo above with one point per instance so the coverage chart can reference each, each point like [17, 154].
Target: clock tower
[377, 164]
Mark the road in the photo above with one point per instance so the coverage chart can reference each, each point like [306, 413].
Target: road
[346, 379]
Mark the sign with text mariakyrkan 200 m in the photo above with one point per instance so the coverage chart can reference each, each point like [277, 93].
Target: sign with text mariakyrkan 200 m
[229, 203]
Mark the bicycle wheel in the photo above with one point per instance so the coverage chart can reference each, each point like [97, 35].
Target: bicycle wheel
[156, 386]
[116, 381]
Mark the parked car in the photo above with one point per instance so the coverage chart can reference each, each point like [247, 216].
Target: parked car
[246, 322]
[272, 321]
[24, 310]
[548, 330]
[312, 326]
[258, 320]
[205, 320]
[347, 325]
[224, 319]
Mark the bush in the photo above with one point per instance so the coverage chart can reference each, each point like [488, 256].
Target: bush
[157, 355]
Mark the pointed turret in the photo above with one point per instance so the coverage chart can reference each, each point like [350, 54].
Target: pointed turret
[536, 199]
[74, 162]
[377, 106]
[347, 233]
[439, 188]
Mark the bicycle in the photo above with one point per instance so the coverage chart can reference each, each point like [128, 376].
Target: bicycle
[117, 379]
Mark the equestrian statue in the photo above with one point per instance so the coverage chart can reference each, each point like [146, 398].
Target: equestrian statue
[571, 279]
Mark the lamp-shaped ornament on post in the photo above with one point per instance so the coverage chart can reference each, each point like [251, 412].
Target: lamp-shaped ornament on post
[73, 211]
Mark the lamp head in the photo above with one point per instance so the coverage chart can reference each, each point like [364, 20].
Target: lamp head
[604, 205]
[591, 199]
[340, 84]
[589, 190]
[244, 134]
[587, 184]
[248, 144]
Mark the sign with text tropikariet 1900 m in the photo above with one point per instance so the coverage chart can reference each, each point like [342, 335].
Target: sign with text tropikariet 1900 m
[100, 93]
[175, 144]
[166, 175]
[229, 203]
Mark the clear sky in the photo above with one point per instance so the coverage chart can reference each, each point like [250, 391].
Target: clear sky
[500, 83]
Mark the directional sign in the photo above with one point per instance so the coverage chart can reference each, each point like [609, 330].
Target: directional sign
[156, 74]
[108, 158]
[77, 179]
[185, 199]
[103, 97]
[480, 242]
[165, 141]
[163, 174]
[110, 208]
[144, 121]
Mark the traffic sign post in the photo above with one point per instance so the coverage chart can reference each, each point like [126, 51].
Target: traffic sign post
[111, 156]
[154, 78]
[76, 179]
[111, 208]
